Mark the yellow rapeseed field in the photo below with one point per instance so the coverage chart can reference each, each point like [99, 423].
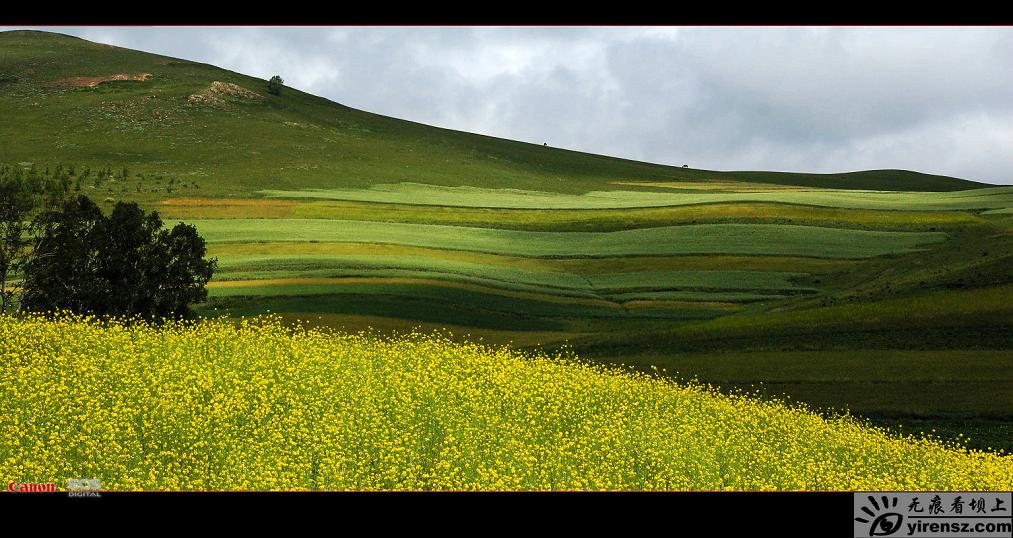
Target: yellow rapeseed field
[216, 406]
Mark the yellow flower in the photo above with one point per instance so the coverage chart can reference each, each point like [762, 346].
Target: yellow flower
[257, 405]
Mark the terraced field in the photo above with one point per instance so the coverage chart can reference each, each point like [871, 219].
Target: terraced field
[675, 272]
[411, 193]
[785, 291]
[776, 240]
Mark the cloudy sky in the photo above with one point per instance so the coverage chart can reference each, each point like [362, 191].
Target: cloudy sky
[937, 100]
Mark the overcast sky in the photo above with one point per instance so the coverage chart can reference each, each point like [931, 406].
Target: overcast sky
[937, 100]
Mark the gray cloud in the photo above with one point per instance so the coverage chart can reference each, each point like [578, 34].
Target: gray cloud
[936, 100]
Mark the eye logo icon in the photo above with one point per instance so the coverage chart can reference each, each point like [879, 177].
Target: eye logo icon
[884, 523]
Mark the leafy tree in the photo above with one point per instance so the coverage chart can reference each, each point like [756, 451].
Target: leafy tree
[274, 85]
[121, 265]
[180, 270]
[16, 205]
[123, 242]
[63, 272]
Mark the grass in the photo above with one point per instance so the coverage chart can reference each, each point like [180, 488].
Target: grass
[451, 302]
[741, 280]
[977, 318]
[949, 309]
[251, 267]
[579, 266]
[736, 297]
[211, 407]
[896, 378]
[788, 240]
[940, 356]
[573, 220]
[280, 266]
[421, 194]
[916, 389]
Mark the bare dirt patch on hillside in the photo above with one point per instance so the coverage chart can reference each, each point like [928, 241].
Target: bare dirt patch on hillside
[220, 93]
[91, 82]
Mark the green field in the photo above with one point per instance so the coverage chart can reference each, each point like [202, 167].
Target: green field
[411, 193]
[884, 292]
[575, 220]
[256, 267]
[777, 240]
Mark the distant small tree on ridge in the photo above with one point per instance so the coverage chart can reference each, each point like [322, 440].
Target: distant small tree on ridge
[274, 85]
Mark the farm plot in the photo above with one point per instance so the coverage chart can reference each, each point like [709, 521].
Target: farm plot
[250, 267]
[752, 239]
[589, 220]
[464, 196]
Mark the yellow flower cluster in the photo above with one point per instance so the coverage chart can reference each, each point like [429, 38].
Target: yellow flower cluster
[216, 405]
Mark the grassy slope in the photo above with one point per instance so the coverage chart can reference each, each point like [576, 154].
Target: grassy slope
[291, 141]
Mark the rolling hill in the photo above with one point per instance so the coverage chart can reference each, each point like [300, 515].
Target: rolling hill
[65, 99]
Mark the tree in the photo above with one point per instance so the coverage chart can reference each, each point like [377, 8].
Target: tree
[121, 265]
[124, 242]
[274, 85]
[16, 206]
[180, 271]
[63, 275]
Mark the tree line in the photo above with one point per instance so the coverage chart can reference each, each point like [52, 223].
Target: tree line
[62, 179]
[59, 251]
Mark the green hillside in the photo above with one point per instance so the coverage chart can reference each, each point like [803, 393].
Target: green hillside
[173, 120]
